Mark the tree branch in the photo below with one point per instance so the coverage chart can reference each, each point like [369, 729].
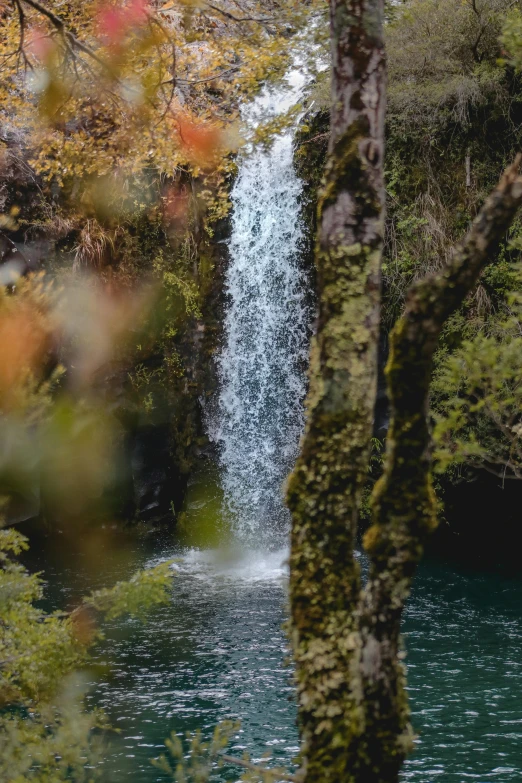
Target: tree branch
[69, 37]
[277, 774]
[403, 501]
[500, 475]
[228, 15]
[325, 489]
[207, 79]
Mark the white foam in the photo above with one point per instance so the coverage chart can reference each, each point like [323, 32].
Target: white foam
[259, 418]
[234, 564]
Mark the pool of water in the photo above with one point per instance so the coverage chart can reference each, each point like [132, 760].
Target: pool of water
[463, 634]
[218, 651]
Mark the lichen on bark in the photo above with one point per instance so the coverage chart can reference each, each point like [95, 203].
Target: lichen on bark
[403, 501]
[325, 488]
[352, 704]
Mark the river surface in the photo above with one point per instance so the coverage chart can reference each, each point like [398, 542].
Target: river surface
[218, 651]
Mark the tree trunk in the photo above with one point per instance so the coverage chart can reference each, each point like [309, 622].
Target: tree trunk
[404, 507]
[325, 488]
[353, 710]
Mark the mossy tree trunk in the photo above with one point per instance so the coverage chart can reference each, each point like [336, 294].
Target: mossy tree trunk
[325, 488]
[353, 711]
[403, 501]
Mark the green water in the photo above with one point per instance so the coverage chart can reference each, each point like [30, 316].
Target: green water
[218, 651]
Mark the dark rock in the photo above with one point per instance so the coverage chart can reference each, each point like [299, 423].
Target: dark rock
[155, 487]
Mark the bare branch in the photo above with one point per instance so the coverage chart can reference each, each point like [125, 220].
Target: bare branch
[68, 37]
[209, 78]
[228, 15]
[277, 774]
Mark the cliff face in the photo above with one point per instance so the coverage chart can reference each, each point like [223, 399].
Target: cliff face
[155, 389]
[166, 442]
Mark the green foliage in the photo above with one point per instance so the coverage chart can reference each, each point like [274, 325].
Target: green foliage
[477, 402]
[36, 649]
[136, 596]
[453, 124]
[443, 66]
[511, 39]
[45, 733]
[374, 471]
[199, 761]
[53, 743]
[196, 761]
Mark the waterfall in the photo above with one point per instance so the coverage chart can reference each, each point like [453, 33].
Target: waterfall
[259, 414]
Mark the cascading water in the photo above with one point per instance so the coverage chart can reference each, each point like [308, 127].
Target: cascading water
[259, 416]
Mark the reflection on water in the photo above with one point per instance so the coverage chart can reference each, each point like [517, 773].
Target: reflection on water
[218, 651]
[464, 638]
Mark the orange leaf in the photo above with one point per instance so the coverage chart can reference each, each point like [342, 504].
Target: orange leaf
[199, 141]
[115, 22]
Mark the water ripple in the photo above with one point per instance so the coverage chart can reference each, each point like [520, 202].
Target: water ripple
[218, 652]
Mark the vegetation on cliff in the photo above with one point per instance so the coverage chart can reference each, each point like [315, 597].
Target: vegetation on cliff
[452, 124]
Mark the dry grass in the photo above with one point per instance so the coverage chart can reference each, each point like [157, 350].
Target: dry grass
[96, 247]
[415, 246]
